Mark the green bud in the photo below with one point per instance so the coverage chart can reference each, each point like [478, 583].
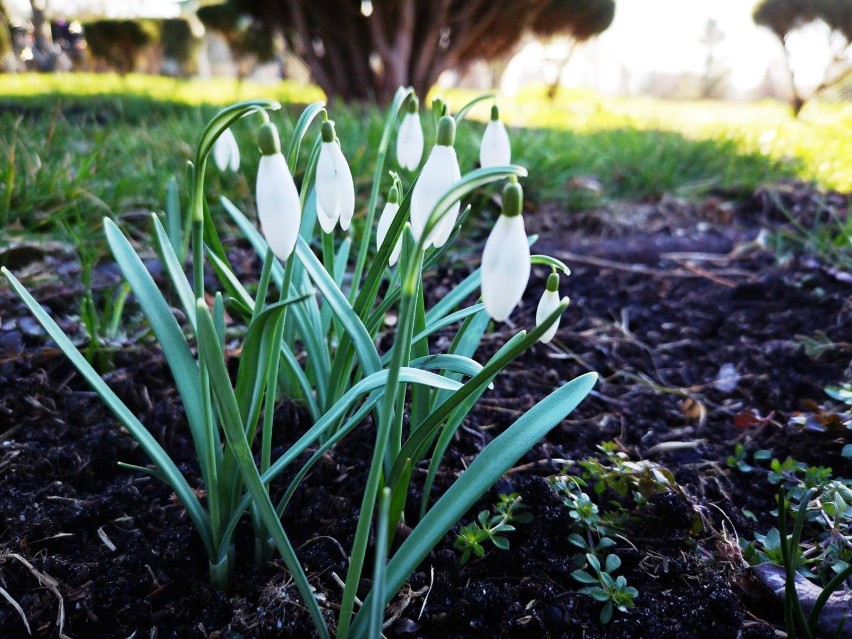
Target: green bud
[438, 105]
[413, 104]
[268, 140]
[446, 131]
[327, 130]
[513, 198]
[393, 195]
[553, 282]
[495, 112]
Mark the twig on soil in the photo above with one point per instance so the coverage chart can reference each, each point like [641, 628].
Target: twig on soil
[52, 585]
[688, 271]
[17, 607]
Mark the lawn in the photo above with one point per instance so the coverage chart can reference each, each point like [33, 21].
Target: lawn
[76, 147]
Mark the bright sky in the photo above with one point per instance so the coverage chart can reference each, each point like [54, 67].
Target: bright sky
[665, 35]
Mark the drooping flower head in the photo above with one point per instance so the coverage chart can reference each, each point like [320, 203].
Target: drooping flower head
[385, 220]
[226, 152]
[548, 303]
[506, 257]
[409, 141]
[495, 150]
[278, 205]
[440, 172]
[335, 189]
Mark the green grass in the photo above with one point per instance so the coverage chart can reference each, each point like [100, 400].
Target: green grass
[74, 148]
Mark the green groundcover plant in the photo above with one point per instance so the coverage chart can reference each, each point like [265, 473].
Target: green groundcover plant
[309, 329]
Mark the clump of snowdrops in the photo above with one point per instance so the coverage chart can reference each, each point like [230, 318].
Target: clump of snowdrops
[333, 302]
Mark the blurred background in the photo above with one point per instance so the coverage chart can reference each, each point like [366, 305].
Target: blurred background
[789, 50]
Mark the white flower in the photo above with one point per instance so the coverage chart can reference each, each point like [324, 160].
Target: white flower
[278, 205]
[335, 190]
[506, 258]
[439, 173]
[409, 140]
[495, 150]
[548, 303]
[226, 152]
[385, 220]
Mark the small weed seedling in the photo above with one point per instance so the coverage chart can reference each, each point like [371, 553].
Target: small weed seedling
[488, 527]
[612, 591]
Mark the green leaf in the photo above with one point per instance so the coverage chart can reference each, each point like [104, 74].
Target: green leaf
[494, 460]
[174, 270]
[460, 115]
[213, 360]
[613, 563]
[583, 577]
[175, 348]
[300, 130]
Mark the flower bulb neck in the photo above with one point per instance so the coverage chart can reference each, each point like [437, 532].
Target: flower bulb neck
[513, 199]
[268, 140]
[495, 112]
[413, 104]
[553, 282]
[393, 195]
[327, 131]
[446, 131]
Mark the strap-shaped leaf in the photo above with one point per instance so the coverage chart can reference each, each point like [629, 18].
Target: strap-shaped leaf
[175, 348]
[344, 313]
[494, 460]
[174, 269]
[213, 360]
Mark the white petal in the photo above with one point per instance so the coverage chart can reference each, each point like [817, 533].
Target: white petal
[505, 267]
[495, 150]
[223, 149]
[409, 144]
[445, 228]
[278, 205]
[327, 222]
[385, 220]
[345, 187]
[548, 303]
[328, 200]
[234, 163]
[435, 179]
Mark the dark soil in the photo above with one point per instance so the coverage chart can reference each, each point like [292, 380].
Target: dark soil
[91, 549]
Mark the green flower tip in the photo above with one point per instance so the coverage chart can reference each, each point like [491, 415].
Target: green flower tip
[553, 282]
[268, 140]
[438, 105]
[513, 199]
[446, 131]
[327, 130]
[413, 104]
[393, 195]
[495, 112]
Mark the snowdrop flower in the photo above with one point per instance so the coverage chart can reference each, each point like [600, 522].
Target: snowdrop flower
[506, 257]
[495, 150]
[385, 220]
[439, 173]
[335, 190]
[409, 140]
[226, 153]
[548, 303]
[278, 205]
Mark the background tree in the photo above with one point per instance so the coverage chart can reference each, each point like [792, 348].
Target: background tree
[250, 40]
[579, 19]
[362, 51]
[783, 17]
[119, 42]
